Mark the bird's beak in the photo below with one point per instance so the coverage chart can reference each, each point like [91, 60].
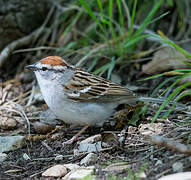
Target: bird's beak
[31, 67]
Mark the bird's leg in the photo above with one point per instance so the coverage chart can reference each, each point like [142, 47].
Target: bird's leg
[74, 138]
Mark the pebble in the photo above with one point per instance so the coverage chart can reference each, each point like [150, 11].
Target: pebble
[26, 157]
[72, 167]
[177, 167]
[55, 171]
[155, 106]
[158, 163]
[142, 175]
[10, 143]
[180, 117]
[7, 123]
[89, 159]
[79, 174]
[91, 144]
[59, 157]
[86, 147]
[177, 176]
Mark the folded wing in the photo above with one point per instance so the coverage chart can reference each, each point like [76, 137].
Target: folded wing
[84, 86]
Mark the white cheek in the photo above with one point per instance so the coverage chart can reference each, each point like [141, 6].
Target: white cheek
[46, 75]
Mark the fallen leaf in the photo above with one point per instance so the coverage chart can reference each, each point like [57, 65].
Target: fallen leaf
[165, 59]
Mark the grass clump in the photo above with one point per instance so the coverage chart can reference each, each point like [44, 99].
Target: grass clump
[110, 35]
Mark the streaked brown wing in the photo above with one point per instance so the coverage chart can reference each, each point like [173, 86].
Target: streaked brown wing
[86, 87]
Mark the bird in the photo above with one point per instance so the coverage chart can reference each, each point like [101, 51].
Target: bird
[76, 96]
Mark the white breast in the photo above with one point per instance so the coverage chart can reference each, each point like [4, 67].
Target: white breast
[70, 111]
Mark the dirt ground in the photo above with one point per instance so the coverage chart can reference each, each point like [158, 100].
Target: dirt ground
[137, 151]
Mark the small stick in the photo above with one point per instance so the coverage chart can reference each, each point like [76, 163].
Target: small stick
[171, 144]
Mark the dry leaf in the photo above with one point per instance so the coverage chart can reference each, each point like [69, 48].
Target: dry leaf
[165, 59]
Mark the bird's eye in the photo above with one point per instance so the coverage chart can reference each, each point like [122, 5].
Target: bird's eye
[44, 68]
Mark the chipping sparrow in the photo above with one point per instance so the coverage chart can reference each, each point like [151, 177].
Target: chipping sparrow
[76, 96]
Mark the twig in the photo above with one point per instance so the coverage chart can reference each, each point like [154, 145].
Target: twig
[55, 29]
[7, 51]
[25, 117]
[47, 146]
[80, 62]
[171, 144]
[34, 49]
[17, 98]
[43, 40]
[31, 97]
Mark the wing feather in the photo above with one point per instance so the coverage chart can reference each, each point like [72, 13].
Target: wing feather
[84, 86]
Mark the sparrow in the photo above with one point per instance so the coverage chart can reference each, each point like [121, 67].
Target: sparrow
[78, 97]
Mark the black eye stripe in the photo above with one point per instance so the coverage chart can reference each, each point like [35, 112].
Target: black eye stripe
[56, 70]
[44, 68]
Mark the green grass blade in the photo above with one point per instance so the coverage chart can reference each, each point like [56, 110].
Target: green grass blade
[103, 19]
[134, 40]
[94, 62]
[102, 69]
[179, 48]
[132, 17]
[90, 12]
[162, 84]
[148, 19]
[156, 90]
[186, 93]
[100, 8]
[162, 74]
[121, 17]
[159, 17]
[170, 42]
[176, 82]
[92, 15]
[111, 19]
[111, 67]
[151, 77]
[177, 90]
